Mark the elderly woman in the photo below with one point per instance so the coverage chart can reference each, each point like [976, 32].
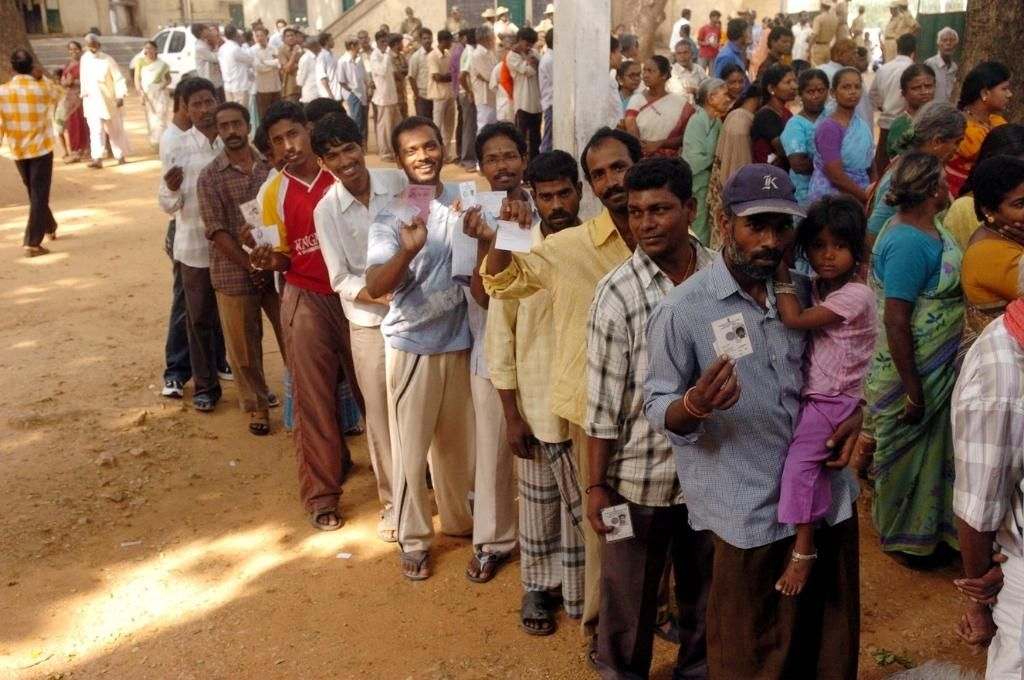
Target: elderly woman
[961, 221]
[918, 87]
[152, 78]
[699, 143]
[657, 117]
[983, 99]
[938, 130]
[916, 278]
[992, 260]
[843, 143]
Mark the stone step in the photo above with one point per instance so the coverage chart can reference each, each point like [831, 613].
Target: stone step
[53, 52]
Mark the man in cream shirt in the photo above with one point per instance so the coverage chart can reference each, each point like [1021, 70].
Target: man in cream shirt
[343, 218]
[103, 92]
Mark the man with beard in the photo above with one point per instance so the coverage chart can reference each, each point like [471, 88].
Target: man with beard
[629, 462]
[723, 384]
[502, 153]
[428, 339]
[232, 179]
[520, 343]
[343, 218]
[568, 266]
[183, 161]
[315, 328]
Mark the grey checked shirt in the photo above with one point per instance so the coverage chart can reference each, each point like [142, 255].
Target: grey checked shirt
[731, 466]
[642, 468]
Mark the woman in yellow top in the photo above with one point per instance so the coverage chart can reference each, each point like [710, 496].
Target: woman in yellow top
[990, 265]
[961, 221]
[983, 99]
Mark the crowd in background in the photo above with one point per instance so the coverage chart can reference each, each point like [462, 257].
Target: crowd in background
[795, 278]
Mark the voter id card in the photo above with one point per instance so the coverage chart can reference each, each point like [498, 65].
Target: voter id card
[616, 518]
[731, 337]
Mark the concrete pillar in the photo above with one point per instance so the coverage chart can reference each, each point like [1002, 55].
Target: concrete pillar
[582, 37]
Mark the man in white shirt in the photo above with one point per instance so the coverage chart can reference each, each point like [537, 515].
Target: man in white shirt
[686, 75]
[276, 40]
[802, 38]
[103, 89]
[183, 160]
[326, 65]
[885, 92]
[481, 65]
[208, 41]
[673, 36]
[352, 83]
[614, 110]
[467, 100]
[235, 63]
[343, 218]
[523, 62]
[418, 75]
[267, 72]
[305, 76]
[546, 82]
[503, 25]
[945, 68]
[385, 98]
[439, 89]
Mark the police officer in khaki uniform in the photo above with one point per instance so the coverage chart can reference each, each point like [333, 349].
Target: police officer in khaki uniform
[840, 10]
[901, 23]
[823, 32]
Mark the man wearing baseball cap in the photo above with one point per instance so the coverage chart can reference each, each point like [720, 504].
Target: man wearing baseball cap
[723, 384]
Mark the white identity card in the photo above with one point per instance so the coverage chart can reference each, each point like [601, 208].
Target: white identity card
[467, 194]
[251, 213]
[731, 337]
[616, 518]
[267, 236]
[513, 237]
[261, 234]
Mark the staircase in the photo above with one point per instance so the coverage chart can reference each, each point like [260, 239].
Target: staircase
[53, 52]
[351, 21]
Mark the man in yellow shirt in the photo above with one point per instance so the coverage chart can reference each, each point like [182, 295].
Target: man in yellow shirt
[569, 266]
[901, 23]
[823, 32]
[26, 105]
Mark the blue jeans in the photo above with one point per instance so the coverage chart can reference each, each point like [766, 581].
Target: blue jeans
[546, 137]
[357, 112]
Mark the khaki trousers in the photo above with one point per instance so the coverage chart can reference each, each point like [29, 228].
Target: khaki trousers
[316, 335]
[264, 100]
[593, 544]
[387, 120]
[431, 411]
[820, 54]
[242, 323]
[370, 367]
[494, 492]
[444, 119]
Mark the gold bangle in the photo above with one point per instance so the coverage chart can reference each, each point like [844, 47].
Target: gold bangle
[691, 409]
[912, 402]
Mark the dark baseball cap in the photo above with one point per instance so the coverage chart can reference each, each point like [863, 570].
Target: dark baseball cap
[760, 188]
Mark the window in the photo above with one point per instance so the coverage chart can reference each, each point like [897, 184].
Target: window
[177, 43]
[298, 13]
[161, 40]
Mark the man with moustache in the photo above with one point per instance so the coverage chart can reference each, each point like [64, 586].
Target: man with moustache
[730, 421]
[520, 345]
[183, 161]
[343, 218]
[629, 462]
[409, 256]
[502, 153]
[315, 329]
[234, 178]
[569, 265]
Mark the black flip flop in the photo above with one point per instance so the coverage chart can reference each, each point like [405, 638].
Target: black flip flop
[536, 607]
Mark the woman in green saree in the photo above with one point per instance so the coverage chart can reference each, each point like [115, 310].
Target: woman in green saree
[916, 277]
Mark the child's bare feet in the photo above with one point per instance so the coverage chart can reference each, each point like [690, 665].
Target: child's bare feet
[796, 574]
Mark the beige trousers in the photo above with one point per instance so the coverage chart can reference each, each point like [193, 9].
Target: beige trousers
[431, 411]
[592, 543]
[820, 54]
[370, 367]
[387, 120]
[494, 492]
[444, 119]
[242, 322]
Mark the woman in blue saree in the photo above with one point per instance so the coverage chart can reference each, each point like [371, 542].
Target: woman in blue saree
[843, 144]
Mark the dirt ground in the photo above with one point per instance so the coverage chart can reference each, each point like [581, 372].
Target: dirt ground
[139, 538]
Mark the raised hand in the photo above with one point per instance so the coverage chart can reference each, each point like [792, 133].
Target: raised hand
[412, 236]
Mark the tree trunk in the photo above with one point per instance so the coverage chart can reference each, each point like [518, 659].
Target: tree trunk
[641, 18]
[12, 35]
[994, 34]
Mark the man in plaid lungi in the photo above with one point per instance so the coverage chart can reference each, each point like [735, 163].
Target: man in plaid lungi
[520, 347]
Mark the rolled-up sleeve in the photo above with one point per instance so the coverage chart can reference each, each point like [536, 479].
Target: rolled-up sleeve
[382, 243]
[500, 344]
[524, 276]
[671, 368]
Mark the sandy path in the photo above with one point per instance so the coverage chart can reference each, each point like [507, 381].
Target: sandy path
[141, 539]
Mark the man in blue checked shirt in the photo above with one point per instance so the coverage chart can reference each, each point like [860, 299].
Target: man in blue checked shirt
[730, 421]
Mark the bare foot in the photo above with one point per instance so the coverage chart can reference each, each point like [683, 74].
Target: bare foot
[795, 576]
